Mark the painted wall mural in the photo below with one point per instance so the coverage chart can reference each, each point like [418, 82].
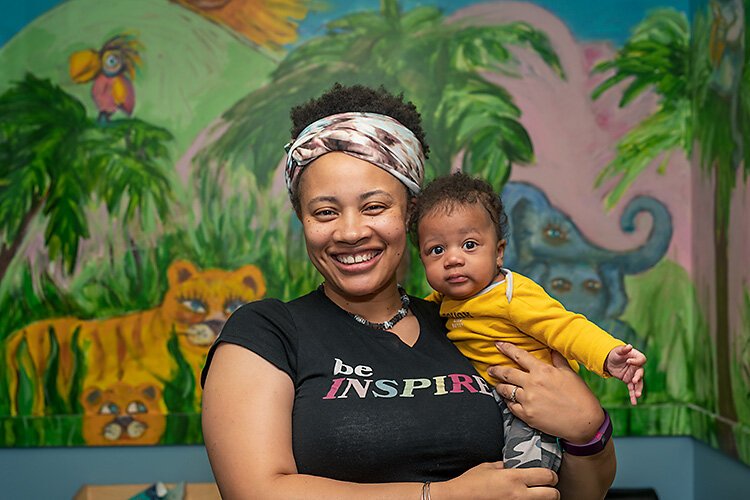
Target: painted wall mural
[546, 245]
[142, 199]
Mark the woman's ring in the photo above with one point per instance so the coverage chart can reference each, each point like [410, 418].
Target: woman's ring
[513, 395]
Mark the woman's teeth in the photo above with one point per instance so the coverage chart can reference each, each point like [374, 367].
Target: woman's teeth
[355, 259]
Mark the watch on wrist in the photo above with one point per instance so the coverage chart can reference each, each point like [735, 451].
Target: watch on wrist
[597, 443]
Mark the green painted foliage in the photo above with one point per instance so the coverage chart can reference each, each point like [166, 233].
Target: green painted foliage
[398, 49]
[183, 418]
[655, 58]
[128, 279]
[24, 397]
[679, 378]
[54, 403]
[720, 78]
[79, 371]
[27, 298]
[701, 103]
[741, 379]
[55, 162]
[180, 389]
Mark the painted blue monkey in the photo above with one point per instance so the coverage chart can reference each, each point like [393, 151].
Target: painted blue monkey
[545, 245]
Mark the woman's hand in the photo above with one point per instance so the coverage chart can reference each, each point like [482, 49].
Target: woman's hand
[551, 398]
[493, 481]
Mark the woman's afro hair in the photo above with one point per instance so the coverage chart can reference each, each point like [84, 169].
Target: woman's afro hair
[345, 99]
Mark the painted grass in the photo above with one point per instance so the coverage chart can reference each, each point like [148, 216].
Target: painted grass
[741, 381]
[61, 425]
[679, 397]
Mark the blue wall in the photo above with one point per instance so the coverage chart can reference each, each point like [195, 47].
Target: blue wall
[678, 468]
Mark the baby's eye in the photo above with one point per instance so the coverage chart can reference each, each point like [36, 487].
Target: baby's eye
[436, 250]
[470, 245]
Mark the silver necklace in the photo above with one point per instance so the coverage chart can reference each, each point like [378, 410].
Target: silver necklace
[387, 325]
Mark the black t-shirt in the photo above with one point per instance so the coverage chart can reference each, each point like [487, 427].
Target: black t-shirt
[367, 407]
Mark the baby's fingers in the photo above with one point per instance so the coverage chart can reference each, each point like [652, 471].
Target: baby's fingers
[636, 358]
[632, 393]
[638, 388]
[623, 350]
[635, 390]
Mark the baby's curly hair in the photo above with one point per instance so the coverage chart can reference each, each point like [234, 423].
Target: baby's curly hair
[455, 190]
[356, 98]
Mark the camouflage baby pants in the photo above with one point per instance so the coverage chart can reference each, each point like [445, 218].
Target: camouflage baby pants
[525, 446]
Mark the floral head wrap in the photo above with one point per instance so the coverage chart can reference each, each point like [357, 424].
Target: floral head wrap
[374, 138]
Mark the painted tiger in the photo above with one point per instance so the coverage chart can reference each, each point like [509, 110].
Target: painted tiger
[122, 415]
[133, 348]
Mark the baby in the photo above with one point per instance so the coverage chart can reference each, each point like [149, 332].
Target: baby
[459, 226]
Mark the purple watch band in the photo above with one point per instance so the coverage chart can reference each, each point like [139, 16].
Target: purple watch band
[597, 443]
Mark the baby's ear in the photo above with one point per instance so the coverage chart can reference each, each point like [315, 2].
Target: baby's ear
[501, 251]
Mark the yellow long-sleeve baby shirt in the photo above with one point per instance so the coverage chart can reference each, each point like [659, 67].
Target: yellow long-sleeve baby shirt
[531, 319]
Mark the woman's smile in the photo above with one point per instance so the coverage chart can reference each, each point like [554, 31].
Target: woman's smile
[356, 258]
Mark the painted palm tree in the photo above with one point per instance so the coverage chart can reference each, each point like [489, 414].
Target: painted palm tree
[435, 64]
[655, 58]
[701, 109]
[55, 161]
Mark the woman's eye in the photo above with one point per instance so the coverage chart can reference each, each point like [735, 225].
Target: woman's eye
[435, 250]
[470, 245]
[325, 213]
[370, 209]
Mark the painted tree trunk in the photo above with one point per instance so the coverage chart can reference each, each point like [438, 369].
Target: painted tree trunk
[8, 253]
[724, 359]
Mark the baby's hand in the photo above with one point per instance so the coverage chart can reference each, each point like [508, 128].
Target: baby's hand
[626, 363]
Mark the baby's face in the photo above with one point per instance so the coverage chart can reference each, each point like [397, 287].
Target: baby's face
[460, 250]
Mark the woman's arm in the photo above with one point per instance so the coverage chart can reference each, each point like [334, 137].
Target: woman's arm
[247, 412]
[587, 477]
[555, 400]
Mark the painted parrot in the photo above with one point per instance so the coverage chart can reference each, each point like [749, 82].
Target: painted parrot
[112, 68]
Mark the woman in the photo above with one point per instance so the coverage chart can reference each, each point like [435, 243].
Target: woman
[353, 391]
